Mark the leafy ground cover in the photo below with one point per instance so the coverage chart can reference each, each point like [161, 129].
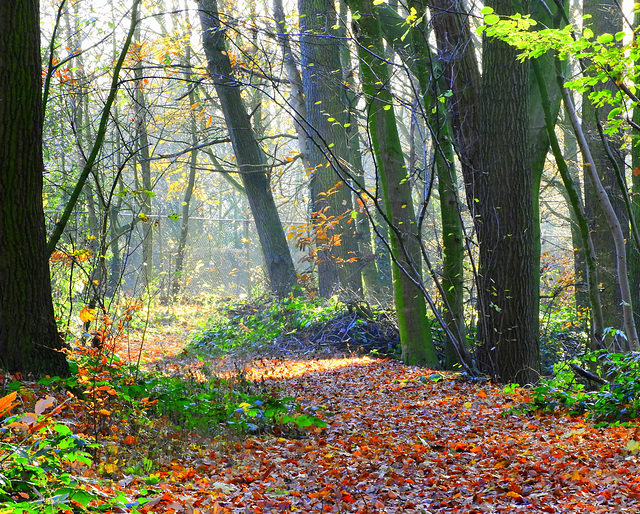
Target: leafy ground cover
[397, 439]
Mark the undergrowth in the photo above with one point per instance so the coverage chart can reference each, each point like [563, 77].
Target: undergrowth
[110, 419]
[254, 326]
[602, 385]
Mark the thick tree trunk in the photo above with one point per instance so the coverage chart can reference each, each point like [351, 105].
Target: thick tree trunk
[29, 341]
[415, 333]
[249, 156]
[506, 225]
[497, 157]
[331, 199]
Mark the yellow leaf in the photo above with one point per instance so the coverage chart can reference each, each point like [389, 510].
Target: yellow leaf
[87, 315]
[633, 446]
[467, 405]
[576, 476]
[208, 124]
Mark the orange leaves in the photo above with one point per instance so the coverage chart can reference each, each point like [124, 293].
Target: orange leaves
[7, 403]
[32, 422]
[396, 442]
[129, 440]
[87, 315]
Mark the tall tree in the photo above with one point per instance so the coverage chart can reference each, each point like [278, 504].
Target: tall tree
[29, 340]
[190, 172]
[142, 162]
[249, 156]
[331, 199]
[508, 287]
[495, 144]
[415, 333]
[605, 18]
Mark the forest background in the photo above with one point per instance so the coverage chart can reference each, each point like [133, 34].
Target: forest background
[372, 152]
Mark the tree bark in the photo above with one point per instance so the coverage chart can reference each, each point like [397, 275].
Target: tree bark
[415, 333]
[606, 17]
[613, 224]
[29, 341]
[190, 171]
[332, 204]
[249, 156]
[493, 140]
[506, 225]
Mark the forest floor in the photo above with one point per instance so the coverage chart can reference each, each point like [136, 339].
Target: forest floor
[398, 439]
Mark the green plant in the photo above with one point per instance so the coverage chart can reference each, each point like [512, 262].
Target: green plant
[37, 461]
[248, 326]
[605, 386]
[213, 404]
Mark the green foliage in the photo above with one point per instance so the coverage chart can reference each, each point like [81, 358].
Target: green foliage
[36, 472]
[248, 326]
[563, 336]
[605, 57]
[615, 401]
[213, 404]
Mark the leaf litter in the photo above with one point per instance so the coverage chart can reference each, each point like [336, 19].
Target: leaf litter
[399, 439]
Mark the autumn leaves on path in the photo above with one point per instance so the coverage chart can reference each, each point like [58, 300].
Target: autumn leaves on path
[407, 440]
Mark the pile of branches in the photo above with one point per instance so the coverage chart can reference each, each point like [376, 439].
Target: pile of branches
[351, 333]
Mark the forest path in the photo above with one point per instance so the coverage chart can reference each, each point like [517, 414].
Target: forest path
[405, 440]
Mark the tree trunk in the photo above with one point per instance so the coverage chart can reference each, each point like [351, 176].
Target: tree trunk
[190, 171]
[606, 17]
[331, 199]
[634, 251]
[142, 166]
[250, 157]
[613, 225]
[582, 237]
[415, 333]
[377, 285]
[506, 225]
[29, 341]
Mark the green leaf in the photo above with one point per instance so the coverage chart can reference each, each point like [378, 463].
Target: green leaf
[486, 10]
[605, 38]
[491, 19]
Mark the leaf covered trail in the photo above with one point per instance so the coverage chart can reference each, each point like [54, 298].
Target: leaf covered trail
[399, 442]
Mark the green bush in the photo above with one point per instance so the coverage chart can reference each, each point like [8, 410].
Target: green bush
[603, 385]
[248, 326]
